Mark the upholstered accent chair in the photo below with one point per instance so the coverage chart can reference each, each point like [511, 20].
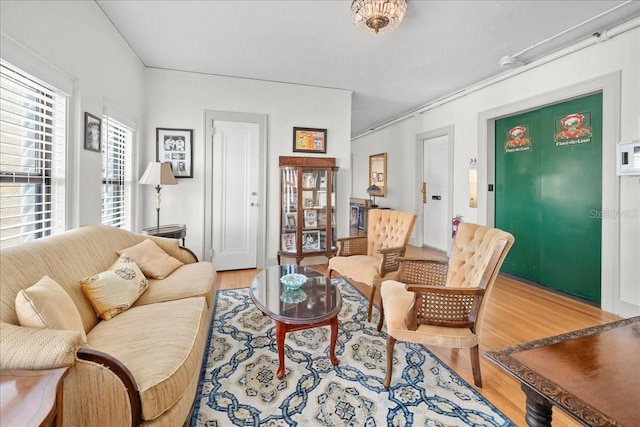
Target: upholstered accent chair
[439, 303]
[372, 258]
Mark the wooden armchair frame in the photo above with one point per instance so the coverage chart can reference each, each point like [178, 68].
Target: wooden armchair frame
[435, 304]
[386, 257]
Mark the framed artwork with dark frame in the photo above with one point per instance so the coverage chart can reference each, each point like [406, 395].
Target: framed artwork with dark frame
[175, 146]
[311, 240]
[309, 140]
[92, 132]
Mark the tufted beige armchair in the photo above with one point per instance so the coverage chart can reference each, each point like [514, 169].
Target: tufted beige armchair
[441, 304]
[372, 258]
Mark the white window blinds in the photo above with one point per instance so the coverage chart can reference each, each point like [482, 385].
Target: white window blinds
[32, 157]
[116, 173]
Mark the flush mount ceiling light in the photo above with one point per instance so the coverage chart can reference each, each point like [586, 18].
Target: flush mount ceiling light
[378, 16]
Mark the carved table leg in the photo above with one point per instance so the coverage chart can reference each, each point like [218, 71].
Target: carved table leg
[539, 410]
[281, 331]
[334, 339]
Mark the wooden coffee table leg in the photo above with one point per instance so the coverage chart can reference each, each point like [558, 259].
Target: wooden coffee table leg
[281, 331]
[539, 410]
[334, 339]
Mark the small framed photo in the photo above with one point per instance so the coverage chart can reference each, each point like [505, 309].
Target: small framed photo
[290, 221]
[354, 216]
[289, 242]
[309, 140]
[311, 240]
[307, 199]
[310, 218]
[309, 180]
[92, 132]
[175, 146]
[322, 218]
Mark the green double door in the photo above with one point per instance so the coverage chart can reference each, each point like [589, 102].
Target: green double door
[548, 194]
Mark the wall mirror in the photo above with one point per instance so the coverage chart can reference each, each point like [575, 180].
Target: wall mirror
[378, 172]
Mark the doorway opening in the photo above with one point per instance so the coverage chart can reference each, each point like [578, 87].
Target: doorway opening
[434, 181]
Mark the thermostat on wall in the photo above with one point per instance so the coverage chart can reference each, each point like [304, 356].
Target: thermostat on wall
[628, 158]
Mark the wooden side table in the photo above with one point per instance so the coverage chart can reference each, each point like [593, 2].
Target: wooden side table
[172, 231]
[31, 398]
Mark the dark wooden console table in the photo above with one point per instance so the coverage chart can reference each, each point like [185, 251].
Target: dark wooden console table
[172, 231]
[591, 374]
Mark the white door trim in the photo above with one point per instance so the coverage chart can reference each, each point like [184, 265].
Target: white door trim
[261, 121]
[419, 144]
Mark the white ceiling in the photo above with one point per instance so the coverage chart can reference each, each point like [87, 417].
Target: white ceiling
[440, 48]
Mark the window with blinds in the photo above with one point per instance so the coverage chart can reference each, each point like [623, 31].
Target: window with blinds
[32, 157]
[116, 173]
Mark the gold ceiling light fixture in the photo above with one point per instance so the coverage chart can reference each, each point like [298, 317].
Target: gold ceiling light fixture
[378, 16]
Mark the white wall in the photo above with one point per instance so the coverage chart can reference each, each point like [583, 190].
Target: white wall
[400, 164]
[76, 41]
[179, 100]
[621, 289]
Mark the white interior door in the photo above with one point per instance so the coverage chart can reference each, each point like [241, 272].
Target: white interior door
[436, 176]
[234, 200]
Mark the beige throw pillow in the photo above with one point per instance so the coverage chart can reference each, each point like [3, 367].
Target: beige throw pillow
[113, 291]
[47, 305]
[152, 260]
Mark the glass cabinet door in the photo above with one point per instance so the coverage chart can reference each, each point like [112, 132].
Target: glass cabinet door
[314, 210]
[289, 220]
[308, 197]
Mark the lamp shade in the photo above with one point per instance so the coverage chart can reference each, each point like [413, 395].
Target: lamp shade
[374, 190]
[158, 174]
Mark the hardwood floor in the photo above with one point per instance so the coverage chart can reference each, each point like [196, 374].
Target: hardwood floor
[516, 313]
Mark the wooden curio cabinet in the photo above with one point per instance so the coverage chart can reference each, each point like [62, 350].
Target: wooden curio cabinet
[307, 214]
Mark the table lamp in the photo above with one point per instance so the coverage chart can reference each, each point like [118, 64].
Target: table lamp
[374, 190]
[158, 174]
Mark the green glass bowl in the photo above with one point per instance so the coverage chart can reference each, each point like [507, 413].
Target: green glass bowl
[293, 281]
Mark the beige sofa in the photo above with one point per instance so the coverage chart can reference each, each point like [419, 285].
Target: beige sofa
[140, 367]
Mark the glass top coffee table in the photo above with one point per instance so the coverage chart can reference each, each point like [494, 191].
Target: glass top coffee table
[316, 303]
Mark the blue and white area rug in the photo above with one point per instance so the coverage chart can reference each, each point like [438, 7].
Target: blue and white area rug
[239, 384]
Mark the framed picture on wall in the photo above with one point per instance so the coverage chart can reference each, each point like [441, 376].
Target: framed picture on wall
[92, 132]
[309, 140]
[175, 146]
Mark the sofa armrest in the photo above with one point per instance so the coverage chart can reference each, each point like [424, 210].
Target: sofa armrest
[122, 373]
[37, 349]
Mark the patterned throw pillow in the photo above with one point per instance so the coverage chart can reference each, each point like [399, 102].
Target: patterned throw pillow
[152, 260]
[113, 291]
[47, 305]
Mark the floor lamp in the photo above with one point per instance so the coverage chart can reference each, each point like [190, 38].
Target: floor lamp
[158, 174]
